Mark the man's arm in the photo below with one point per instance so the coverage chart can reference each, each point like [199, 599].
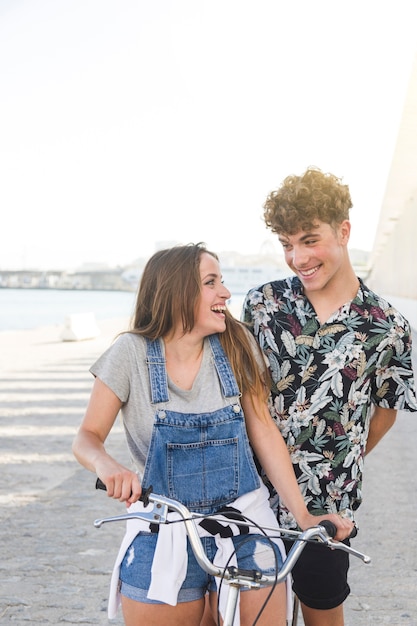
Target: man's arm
[381, 421]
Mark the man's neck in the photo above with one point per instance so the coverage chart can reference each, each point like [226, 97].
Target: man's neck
[330, 299]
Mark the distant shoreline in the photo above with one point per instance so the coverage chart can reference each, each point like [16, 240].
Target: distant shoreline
[46, 288]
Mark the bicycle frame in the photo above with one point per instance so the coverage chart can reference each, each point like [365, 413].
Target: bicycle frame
[235, 577]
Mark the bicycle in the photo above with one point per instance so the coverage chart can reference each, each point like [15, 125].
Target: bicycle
[236, 578]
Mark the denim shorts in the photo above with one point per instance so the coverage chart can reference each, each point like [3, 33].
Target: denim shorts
[252, 551]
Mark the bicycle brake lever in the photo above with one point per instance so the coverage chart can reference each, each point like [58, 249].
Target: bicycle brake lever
[342, 546]
[158, 515]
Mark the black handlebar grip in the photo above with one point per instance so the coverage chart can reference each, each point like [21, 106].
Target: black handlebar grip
[354, 532]
[329, 527]
[144, 496]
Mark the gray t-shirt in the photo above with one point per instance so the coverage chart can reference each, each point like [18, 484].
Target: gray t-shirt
[124, 370]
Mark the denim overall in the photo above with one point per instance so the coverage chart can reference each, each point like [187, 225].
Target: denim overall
[204, 460]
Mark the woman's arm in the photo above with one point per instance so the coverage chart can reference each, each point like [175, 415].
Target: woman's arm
[89, 450]
[271, 451]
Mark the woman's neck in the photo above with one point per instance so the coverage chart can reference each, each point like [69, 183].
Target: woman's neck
[183, 360]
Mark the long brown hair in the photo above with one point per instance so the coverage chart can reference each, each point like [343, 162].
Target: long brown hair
[250, 376]
[169, 292]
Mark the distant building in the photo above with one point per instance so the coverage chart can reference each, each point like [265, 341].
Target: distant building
[394, 256]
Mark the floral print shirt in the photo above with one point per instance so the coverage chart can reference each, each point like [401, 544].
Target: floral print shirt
[325, 377]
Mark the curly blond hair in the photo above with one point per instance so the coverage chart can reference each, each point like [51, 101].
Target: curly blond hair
[302, 201]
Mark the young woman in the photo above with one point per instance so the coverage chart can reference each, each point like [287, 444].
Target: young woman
[190, 383]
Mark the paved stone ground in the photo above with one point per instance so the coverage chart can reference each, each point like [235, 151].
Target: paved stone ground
[55, 566]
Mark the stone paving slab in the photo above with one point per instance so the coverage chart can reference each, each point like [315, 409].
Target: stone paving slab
[55, 566]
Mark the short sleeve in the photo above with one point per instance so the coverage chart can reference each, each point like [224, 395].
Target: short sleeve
[393, 385]
[113, 367]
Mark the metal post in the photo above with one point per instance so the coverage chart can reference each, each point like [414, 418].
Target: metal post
[231, 604]
[295, 609]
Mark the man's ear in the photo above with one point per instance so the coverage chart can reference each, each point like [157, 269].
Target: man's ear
[344, 231]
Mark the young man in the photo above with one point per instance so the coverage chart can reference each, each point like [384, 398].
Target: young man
[340, 359]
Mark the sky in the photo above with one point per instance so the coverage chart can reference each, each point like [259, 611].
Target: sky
[127, 123]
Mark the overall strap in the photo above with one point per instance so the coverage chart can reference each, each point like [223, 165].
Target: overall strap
[223, 367]
[157, 371]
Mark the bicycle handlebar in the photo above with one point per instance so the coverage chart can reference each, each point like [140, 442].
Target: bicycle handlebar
[330, 528]
[323, 533]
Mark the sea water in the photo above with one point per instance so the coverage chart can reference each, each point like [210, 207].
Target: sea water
[22, 309]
